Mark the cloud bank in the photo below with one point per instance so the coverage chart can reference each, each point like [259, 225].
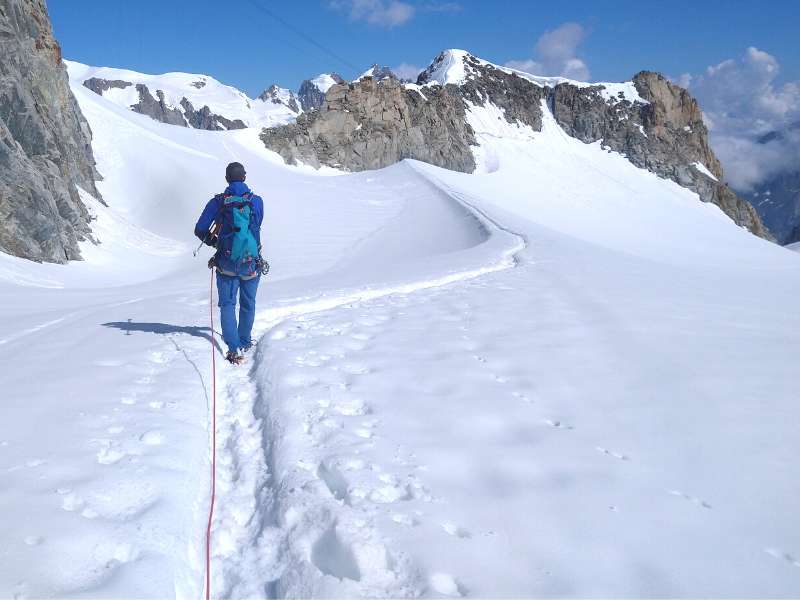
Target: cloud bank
[555, 53]
[389, 13]
[385, 13]
[742, 103]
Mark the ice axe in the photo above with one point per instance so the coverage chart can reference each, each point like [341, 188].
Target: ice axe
[214, 231]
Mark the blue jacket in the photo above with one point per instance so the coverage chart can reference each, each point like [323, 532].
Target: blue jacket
[212, 210]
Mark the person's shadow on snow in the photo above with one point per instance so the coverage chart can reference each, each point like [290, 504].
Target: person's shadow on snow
[165, 329]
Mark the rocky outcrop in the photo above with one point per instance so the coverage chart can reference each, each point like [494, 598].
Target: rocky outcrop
[372, 124]
[45, 142]
[158, 109]
[312, 91]
[98, 85]
[519, 98]
[205, 119]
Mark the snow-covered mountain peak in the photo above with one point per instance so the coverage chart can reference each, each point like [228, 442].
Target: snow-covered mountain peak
[325, 81]
[278, 95]
[185, 99]
[378, 72]
[312, 91]
[450, 67]
[457, 67]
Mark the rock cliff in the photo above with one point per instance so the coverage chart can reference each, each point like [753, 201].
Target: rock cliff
[373, 124]
[45, 142]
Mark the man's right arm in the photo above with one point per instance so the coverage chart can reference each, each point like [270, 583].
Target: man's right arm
[203, 226]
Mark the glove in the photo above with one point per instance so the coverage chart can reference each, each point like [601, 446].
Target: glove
[212, 262]
[211, 241]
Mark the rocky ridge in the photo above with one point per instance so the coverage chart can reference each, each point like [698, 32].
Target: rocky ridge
[369, 124]
[45, 142]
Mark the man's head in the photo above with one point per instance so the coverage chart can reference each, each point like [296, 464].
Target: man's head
[235, 172]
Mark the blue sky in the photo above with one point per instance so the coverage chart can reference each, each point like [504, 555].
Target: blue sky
[241, 45]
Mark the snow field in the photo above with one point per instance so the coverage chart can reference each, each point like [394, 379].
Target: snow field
[465, 385]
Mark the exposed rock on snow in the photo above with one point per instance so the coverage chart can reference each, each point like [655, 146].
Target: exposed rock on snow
[186, 99]
[372, 124]
[46, 142]
[657, 125]
[160, 109]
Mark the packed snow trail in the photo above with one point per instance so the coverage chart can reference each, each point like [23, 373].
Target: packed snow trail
[258, 555]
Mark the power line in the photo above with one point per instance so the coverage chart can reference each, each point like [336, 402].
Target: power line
[258, 5]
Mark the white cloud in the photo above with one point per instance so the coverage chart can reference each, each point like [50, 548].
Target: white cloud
[442, 7]
[385, 13]
[741, 102]
[407, 71]
[555, 53]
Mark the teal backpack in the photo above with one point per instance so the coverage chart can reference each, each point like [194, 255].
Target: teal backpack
[237, 240]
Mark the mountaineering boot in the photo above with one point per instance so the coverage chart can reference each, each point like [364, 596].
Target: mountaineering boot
[233, 357]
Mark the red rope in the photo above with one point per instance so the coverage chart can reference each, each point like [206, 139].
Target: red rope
[213, 439]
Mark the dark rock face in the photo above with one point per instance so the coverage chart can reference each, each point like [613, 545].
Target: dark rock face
[519, 98]
[157, 109]
[309, 95]
[205, 119]
[277, 95]
[98, 85]
[373, 124]
[45, 142]
[369, 124]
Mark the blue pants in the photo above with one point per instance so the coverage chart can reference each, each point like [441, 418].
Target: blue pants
[237, 336]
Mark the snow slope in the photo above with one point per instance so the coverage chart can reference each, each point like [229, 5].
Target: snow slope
[559, 376]
[200, 90]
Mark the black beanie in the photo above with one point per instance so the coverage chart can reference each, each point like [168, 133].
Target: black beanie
[235, 172]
